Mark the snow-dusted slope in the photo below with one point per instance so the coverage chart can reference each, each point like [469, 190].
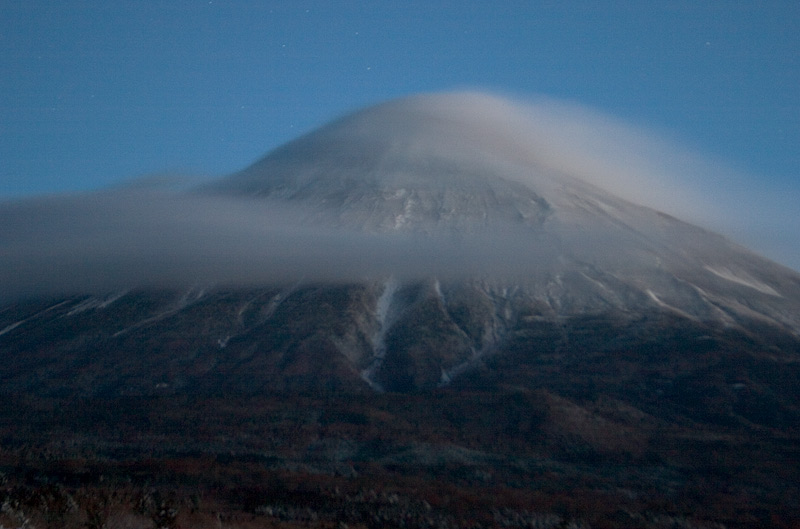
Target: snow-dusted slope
[460, 163]
[401, 166]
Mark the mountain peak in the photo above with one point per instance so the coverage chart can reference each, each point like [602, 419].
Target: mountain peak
[414, 163]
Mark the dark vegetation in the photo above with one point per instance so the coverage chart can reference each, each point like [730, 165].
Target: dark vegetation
[136, 416]
[448, 458]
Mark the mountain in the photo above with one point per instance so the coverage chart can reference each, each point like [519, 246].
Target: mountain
[557, 266]
[533, 350]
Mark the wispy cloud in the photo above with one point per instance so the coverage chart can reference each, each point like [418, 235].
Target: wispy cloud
[123, 239]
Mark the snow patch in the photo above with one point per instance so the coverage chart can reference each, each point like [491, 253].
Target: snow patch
[403, 218]
[13, 326]
[667, 306]
[189, 297]
[599, 284]
[16, 324]
[385, 317]
[608, 209]
[655, 298]
[743, 279]
[95, 303]
[384, 304]
[437, 288]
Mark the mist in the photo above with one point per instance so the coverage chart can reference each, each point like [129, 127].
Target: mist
[655, 169]
[123, 239]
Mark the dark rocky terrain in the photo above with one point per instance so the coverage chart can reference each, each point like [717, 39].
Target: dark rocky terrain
[638, 372]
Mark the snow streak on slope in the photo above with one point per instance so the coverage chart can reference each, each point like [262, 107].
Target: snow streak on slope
[94, 302]
[747, 281]
[386, 311]
[188, 298]
[12, 326]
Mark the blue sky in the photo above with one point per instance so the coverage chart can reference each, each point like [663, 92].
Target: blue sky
[93, 93]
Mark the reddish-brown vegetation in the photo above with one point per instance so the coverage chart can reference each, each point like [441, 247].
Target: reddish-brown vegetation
[441, 459]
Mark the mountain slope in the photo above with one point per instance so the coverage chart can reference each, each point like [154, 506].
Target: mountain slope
[541, 254]
[446, 164]
[456, 164]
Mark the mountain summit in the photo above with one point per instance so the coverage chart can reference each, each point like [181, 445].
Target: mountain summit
[411, 164]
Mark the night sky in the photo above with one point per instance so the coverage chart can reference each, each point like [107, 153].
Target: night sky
[96, 93]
